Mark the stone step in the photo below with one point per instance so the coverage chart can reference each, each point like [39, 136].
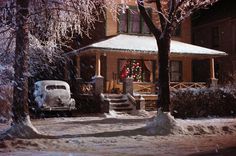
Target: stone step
[114, 96]
[123, 112]
[119, 104]
[123, 109]
[123, 100]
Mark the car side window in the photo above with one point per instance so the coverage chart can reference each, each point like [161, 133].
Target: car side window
[52, 87]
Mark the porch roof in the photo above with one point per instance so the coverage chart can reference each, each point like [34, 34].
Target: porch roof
[147, 44]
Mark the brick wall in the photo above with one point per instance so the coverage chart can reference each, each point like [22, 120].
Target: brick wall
[112, 24]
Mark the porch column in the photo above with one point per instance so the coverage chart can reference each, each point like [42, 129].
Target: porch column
[79, 80]
[212, 68]
[98, 78]
[128, 85]
[213, 80]
[78, 67]
[98, 64]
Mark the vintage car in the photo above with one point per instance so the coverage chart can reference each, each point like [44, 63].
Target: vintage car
[53, 95]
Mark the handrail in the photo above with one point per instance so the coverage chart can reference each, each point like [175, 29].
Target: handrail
[102, 96]
[131, 99]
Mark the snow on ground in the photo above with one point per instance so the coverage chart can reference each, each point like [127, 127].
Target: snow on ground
[121, 134]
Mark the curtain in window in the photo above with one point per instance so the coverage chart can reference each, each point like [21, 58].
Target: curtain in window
[149, 66]
[124, 69]
[122, 64]
[123, 22]
[134, 21]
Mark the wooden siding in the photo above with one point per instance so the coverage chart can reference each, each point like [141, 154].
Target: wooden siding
[111, 24]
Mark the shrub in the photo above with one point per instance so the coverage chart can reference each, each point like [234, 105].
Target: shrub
[194, 103]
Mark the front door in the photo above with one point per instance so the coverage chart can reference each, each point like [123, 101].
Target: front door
[201, 70]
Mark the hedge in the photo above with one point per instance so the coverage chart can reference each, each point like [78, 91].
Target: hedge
[193, 103]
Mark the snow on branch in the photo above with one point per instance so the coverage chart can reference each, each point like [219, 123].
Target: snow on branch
[58, 20]
[184, 8]
[52, 23]
[172, 12]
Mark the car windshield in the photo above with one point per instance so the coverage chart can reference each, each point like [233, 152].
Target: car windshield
[52, 87]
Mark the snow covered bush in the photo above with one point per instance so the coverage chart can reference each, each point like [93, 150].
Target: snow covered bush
[5, 103]
[194, 103]
[88, 104]
[43, 61]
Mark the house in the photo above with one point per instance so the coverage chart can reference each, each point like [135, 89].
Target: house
[216, 28]
[129, 50]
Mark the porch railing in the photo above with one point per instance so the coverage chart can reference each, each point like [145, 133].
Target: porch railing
[185, 85]
[152, 88]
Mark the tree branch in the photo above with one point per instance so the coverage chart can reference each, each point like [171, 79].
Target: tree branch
[161, 14]
[186, 8]
[171, 9]
[156, 32]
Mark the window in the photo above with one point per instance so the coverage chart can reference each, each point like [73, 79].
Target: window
[134, 22]
[139, 70]
[52, 87]
[123, 20]
[130, 21]
[175, 71]
[215, 37]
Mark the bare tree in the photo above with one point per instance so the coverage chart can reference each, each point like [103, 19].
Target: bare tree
[52, 22]
[170, 13]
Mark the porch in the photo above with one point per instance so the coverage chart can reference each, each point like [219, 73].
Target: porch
[105, 67]
[142, 97]
[110, 68]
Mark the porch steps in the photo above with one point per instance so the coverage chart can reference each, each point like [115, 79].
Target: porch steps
[119, 103]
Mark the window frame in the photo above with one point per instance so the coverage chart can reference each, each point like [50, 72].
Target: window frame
[180, 70]
[129, 22]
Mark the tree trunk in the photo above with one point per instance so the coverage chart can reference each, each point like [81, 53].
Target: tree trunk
[163, 100]
[21, 127]
[20, 94]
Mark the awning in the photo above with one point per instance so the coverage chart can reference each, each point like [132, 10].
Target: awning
[147, 44]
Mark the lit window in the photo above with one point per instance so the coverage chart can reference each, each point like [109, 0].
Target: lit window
[139, 70]
[130, 21]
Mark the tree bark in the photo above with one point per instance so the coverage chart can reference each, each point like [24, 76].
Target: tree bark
[21, 64]
[163, 100]
[163, 38]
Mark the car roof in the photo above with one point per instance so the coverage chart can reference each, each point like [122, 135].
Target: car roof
[51, 82]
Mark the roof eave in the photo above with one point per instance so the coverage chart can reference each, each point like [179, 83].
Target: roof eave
[85, 49]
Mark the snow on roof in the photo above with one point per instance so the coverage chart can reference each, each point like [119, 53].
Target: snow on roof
[147, 44]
